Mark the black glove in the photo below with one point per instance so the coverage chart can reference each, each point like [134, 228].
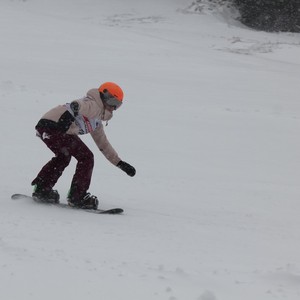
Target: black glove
[127, 168]
[75, 108]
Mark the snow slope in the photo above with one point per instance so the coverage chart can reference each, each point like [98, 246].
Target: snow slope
[211, 123]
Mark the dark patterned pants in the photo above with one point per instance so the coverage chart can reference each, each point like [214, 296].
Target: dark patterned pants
[64, 146]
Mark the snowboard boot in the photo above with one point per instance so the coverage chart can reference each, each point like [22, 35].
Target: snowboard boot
[45, 195]
[87, 202]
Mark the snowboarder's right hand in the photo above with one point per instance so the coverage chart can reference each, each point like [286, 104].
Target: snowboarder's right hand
[75, 108]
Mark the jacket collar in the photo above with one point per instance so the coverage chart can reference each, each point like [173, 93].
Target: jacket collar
[94, 95]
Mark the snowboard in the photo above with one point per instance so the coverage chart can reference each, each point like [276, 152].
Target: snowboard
[111, 211]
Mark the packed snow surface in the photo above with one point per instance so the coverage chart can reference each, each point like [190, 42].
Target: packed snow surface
[211, 121]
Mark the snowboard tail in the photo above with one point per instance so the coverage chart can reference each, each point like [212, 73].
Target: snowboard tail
[111, 211]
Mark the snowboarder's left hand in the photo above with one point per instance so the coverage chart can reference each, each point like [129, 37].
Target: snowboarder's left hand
[127, 168]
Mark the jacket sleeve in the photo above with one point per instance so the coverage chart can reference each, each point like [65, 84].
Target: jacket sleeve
[104, 145]
[88, 108]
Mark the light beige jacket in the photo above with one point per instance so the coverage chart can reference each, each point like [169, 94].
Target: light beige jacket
[89, 120]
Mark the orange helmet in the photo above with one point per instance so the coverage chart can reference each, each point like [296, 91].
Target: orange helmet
[113, 89]
[111, 94]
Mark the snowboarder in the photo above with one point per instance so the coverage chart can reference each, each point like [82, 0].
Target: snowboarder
[59, 129]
